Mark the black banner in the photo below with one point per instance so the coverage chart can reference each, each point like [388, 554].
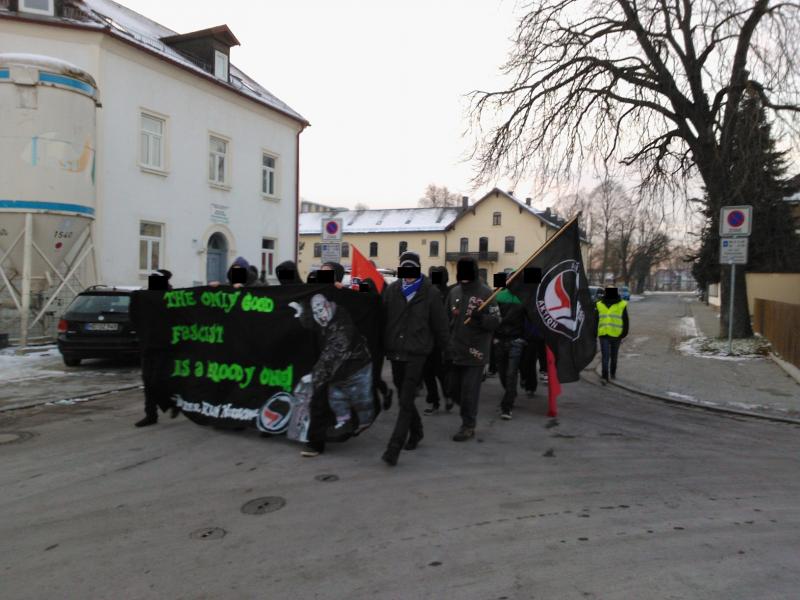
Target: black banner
[255, 357]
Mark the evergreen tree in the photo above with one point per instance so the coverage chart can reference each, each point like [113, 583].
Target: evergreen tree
[757, 177]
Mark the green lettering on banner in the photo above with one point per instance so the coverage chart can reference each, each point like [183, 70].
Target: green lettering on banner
[220, 299]
[179, 299]
[281, 378]
[181, 368]
[263, 304]
[207, 334]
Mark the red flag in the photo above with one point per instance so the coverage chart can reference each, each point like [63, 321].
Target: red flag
[553, 385]
[361, 268]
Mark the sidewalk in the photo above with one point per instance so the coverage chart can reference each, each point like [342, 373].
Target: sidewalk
[659, 358]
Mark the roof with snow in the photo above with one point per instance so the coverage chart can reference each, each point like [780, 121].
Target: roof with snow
[545, 215]
[382, 220]
[131, 27]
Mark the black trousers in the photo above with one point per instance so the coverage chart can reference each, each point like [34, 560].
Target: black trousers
[320, 418]
[407, 375]
[466, 381]
[435, 370]
[156, 370]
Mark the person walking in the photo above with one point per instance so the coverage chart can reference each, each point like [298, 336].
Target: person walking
[435, 366]
[612, 327]
[155, 370]
[470, 343]
[414, 323]
[509, 345]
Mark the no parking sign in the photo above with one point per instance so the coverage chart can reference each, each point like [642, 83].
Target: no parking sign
[735, 221]
[331, 230]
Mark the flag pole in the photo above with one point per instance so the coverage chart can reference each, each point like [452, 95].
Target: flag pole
[532, 257]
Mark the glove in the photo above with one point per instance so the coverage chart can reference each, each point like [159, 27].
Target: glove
[476, 317]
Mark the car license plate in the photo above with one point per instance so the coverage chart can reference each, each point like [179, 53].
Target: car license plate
[102, 326]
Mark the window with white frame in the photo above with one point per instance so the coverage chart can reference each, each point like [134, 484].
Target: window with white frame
[39, 7]
[268, 164]
[152, 142]
[220, 65]
[151, 243]
[217, 160]
[267, 258]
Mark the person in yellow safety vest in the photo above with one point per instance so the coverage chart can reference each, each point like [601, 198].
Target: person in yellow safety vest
[612, 327]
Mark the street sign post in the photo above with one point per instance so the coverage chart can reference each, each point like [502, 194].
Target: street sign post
[733, 251]
[331, 252]
[735, 224]
[332, 230]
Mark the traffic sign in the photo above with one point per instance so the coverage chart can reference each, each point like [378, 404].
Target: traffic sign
[733, 251]
[331, 230]
[331, 252]
[735, 221]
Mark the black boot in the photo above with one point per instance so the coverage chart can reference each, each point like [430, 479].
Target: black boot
[148, 420]
[390, 456]
[413, 440]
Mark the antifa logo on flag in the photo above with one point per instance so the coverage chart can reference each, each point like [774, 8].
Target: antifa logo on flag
[557, 300]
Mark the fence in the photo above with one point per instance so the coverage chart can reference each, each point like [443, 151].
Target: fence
[779, 322]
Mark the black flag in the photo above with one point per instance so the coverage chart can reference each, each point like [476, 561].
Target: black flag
[560, 305]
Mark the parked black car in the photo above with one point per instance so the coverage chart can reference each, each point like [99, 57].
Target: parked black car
[97, 324]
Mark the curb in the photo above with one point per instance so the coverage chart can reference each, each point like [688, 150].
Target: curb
[790, 369]
[689, 403]
[86, 397]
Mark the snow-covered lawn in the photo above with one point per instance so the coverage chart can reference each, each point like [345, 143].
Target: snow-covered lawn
[712, 347]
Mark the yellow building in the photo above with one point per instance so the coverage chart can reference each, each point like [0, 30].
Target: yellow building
[498, 230]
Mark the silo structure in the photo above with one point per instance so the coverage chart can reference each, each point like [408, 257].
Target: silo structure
[47, 176]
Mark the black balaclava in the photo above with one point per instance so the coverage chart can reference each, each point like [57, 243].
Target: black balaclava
[287, 273]
[467, 269]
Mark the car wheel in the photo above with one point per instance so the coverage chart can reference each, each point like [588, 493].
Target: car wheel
[71, 361]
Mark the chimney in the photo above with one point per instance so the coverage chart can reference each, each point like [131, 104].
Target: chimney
[527, 201]
[510, 192]
[464, 202]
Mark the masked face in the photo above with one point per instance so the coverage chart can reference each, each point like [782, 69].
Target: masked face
[321, 309]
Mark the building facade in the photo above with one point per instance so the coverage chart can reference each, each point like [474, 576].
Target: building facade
[195, 162]
[499, 231]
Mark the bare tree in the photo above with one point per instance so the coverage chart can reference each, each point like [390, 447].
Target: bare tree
[608, 200]
[649, 83]
[436, 196]
[361, 206]
[640, 242]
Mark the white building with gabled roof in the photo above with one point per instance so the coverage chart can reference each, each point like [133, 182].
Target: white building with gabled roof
[195, 163]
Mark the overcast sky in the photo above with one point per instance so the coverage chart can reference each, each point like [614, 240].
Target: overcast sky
[383, 83]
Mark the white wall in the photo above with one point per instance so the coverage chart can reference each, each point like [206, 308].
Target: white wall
[130, 80]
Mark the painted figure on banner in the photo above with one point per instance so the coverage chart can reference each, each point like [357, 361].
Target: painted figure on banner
[344, 365]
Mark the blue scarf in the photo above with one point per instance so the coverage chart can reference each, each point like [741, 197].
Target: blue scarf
[409, 289]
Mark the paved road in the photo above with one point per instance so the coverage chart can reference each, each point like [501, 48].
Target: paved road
[624, 499]
[650, 361]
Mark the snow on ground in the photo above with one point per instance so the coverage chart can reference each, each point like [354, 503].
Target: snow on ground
[681, 396]
[14, 368]
[687, 328]
[717, 348]
[636, 298]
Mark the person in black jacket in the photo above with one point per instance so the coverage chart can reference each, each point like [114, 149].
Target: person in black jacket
[509, 344]
[435, 366]
[469, 342]
[414, 322]
[155, 369]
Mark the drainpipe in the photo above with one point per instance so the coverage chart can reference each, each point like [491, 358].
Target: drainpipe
[26, 280]
[297, 196]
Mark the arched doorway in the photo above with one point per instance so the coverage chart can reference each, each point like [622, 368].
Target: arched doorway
[216, 257]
